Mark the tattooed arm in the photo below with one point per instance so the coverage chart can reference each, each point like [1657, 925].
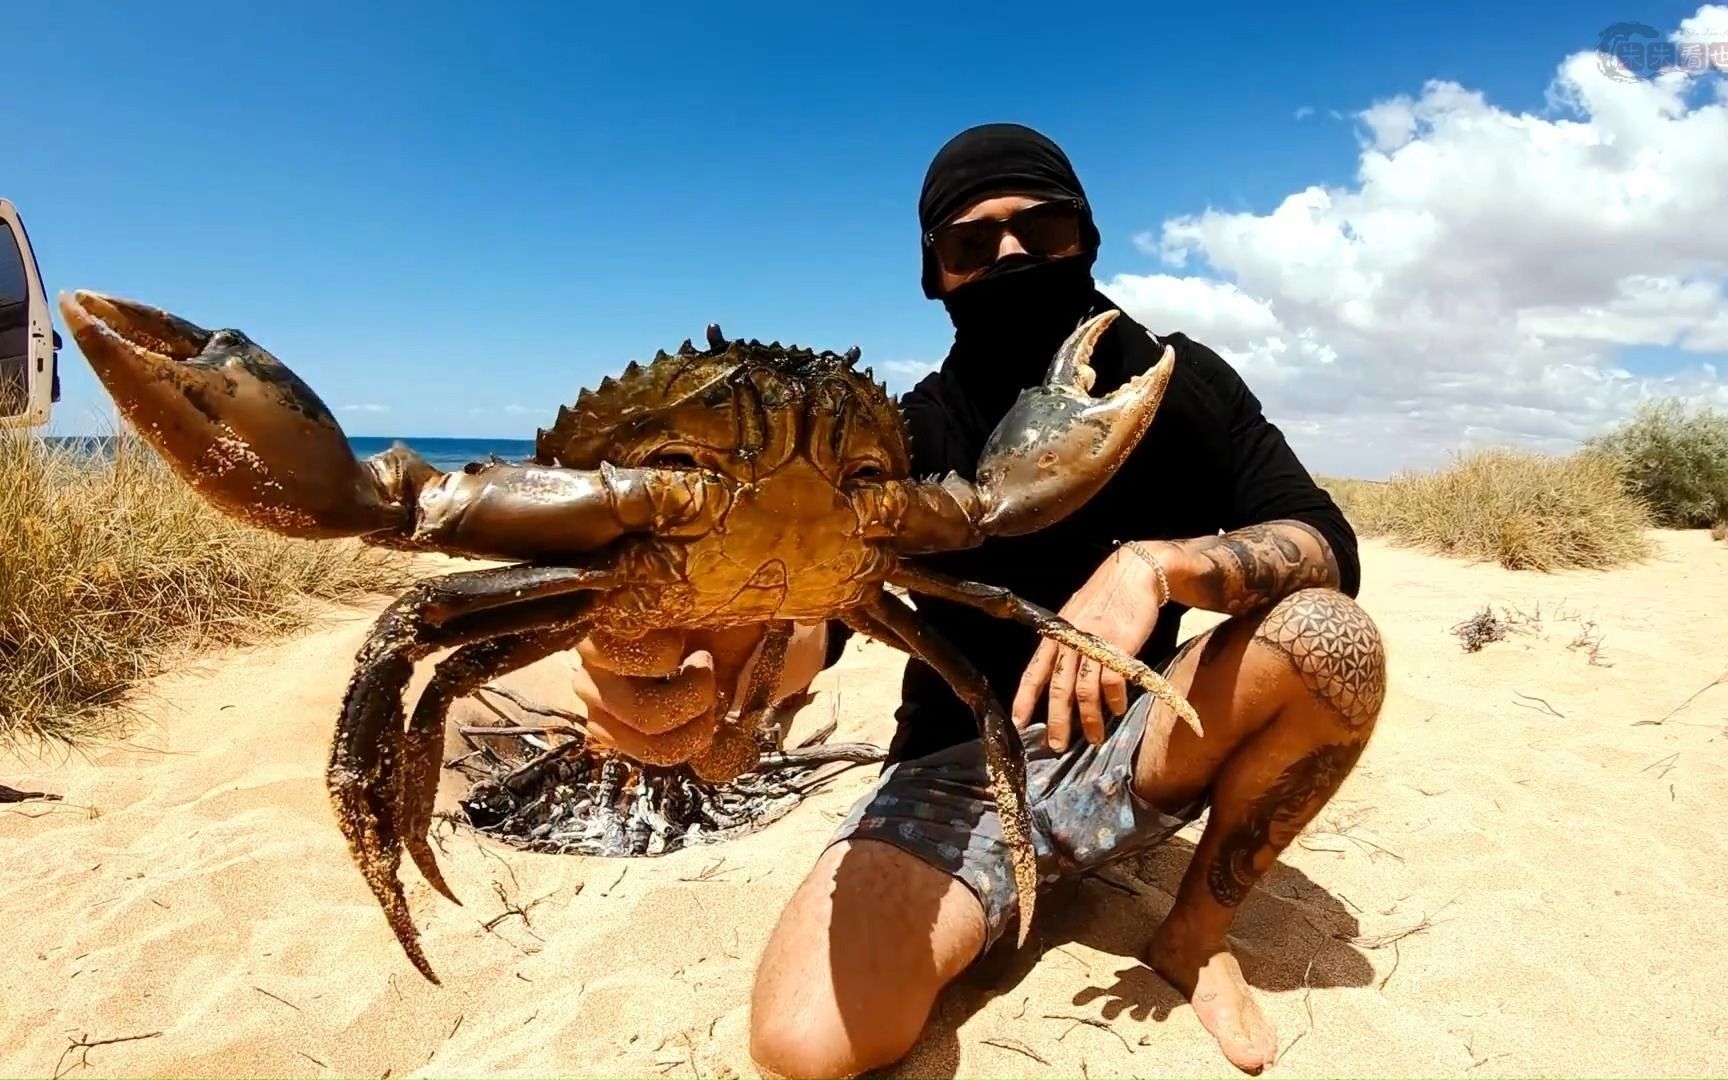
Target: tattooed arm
[1248, 569]
[1283, 532]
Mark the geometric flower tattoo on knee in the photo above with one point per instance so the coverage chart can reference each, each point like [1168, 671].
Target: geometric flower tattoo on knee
[1335, 648]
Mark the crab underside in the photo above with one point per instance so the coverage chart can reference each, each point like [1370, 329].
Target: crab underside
[741, 484]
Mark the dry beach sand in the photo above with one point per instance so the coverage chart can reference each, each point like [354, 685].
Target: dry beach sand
[1519, 879]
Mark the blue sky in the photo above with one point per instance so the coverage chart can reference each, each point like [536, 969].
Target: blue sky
[447, 214]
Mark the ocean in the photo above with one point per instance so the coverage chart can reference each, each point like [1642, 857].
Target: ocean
[448, 455]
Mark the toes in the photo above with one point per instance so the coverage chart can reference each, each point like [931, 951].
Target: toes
[1249, 1046]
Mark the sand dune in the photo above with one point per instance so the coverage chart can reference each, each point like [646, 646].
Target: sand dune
[1519, 879]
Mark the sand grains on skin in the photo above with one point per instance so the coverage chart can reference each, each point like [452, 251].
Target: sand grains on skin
[1516, 859]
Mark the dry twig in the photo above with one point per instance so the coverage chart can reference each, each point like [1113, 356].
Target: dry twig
[1718, 681]
[275, 997]
[1019, 1048]
[529, 707]
[1531, 697]
[85, 1044]
[1089, 1022]
[1666, 764]
[1307, 1001]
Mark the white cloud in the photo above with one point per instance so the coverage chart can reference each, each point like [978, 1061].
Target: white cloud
[1304, 112]
[1709, 24]
[366, 408]
[900, 374]
[1478, 279]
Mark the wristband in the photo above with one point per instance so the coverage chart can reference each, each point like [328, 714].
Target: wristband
[1157, 569]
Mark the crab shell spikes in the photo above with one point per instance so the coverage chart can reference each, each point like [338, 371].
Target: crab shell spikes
[716, 339]
[852, 355]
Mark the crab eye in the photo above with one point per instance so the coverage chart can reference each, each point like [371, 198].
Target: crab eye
[865, 472]
[673, 459]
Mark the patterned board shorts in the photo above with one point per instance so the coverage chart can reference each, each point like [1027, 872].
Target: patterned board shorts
[1084, 812]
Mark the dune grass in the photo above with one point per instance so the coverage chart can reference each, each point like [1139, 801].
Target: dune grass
[110, 569]
[1523, 510]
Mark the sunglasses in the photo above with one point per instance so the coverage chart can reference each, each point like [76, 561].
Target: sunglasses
[1044, 230]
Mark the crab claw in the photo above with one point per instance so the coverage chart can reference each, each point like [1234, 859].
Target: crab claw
[1058, 445]
[232, 420]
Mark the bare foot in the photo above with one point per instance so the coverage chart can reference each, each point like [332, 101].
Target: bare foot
[1212, 981]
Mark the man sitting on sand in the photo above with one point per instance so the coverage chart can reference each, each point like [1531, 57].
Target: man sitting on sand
[1212, 511]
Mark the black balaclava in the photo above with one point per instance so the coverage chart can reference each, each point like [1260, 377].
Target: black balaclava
[1009, 321]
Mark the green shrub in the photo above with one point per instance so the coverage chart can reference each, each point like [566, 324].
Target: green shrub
[1676, 460]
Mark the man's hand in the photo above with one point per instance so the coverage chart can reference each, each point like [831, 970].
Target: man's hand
[1118, 603]
[657, 698]
[1239, 572]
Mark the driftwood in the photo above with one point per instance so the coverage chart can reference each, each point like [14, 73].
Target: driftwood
[572, 798]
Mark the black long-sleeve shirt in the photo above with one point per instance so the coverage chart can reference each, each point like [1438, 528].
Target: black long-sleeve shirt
[1211, 462]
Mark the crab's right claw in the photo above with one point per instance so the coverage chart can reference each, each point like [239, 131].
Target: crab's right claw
[232, 420]
[1054, 450]
[1058, 445]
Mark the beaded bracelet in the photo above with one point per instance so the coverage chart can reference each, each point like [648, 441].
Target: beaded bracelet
[1157, 569]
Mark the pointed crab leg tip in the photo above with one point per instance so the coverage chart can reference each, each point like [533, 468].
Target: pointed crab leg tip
[424, 967]
[435, 878]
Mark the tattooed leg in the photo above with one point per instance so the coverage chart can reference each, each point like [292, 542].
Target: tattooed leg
[1289, 698]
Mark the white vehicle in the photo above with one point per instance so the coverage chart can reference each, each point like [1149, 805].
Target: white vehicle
[29, 376]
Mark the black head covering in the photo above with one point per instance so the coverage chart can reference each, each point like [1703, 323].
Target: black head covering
[989, 160]
[1009, 321]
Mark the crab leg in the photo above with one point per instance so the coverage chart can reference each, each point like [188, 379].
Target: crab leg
[1004, 755]
[363, 775]
[1055, 449]
[251, 437]
[1003, 604]
[455, 677]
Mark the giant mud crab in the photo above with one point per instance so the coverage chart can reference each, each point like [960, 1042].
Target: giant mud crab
[738, 484]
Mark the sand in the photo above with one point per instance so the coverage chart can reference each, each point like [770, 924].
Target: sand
[1520, 878]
